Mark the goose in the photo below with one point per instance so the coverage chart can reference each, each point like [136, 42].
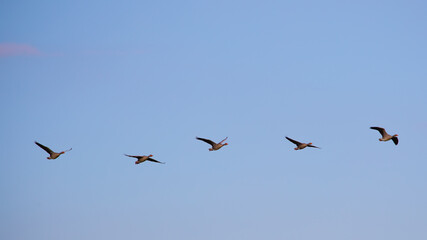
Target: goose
[52, 154]
[386, 136]
[215, 146]
[144, 158]
[300, 145]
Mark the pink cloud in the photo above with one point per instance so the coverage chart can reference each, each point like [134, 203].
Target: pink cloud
[16, 49]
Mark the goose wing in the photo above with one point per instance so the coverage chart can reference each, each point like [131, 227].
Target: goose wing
[395, 140]
[68, 150]
[44, 148]
[206, 141]
[381, 130]
[154, 160]
[223, 140]
[309, 145]
[293, 141]
[133, 156]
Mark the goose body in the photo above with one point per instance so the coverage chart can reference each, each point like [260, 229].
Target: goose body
[215, 146]
[141, 159]
[52, 154]
[300, 145]
[385, 136]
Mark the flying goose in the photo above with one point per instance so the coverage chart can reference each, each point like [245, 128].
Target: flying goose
[300, 145]
[144, 158]
[52, 154]
[386, 136]
[215, 146]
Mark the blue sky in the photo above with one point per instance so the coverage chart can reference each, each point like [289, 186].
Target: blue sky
[147, 77]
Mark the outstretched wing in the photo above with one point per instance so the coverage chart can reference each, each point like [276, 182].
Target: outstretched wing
[223, 140]
[206, 141]
[381, 130]
[395, 140]
[312, 146]
[44, 148]
[133, 156]
[294, 141]
[68, 150]
[154, 160]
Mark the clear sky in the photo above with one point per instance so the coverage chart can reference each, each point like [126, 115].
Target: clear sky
[147, 77]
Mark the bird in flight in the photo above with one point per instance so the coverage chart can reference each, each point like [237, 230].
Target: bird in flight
[215, 146]
[386, 136]
[52, 154]
[300, 145]
[144, 158]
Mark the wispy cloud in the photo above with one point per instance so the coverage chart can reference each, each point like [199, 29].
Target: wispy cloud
[17, 49]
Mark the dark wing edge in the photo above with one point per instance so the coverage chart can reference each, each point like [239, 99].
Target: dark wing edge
[379, 129]
[132, 156]
[44, 147]
[293, 141]
[154, 160]
[206, 141]
[395, 140]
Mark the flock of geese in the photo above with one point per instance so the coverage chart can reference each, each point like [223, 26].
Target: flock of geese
[216, 146]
